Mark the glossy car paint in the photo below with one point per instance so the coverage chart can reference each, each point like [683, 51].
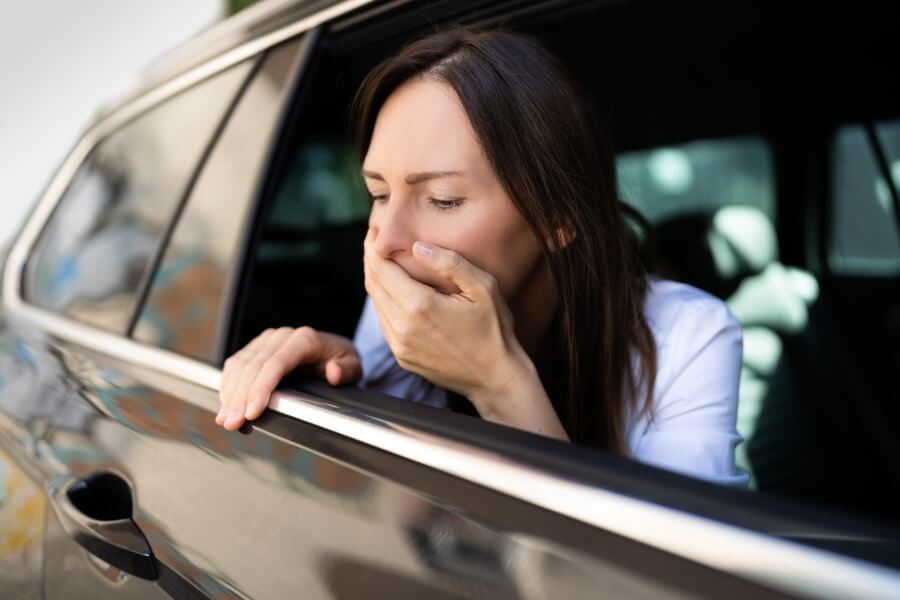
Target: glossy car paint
[284, 507]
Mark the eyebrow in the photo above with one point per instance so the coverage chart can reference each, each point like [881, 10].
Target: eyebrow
[414, 178]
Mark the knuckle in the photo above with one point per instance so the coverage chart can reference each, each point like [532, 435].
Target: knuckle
[403, 333]
[419, 307]
[306, 334]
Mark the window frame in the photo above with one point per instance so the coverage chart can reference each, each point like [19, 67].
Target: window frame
[857, 266]
[153, 266]
[96, 136]
[306, 44]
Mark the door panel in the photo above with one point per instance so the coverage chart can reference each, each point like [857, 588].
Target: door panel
[22, 509]
[282, 509]
[27, 400]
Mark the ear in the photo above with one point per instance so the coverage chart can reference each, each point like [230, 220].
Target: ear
[562, 238]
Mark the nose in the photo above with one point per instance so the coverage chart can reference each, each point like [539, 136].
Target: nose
[395, 229]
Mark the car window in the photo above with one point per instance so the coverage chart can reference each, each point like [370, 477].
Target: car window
[308, 263]
[670, 181]
[864, 235]
[190, 288]
[95, 251]
[713, 205]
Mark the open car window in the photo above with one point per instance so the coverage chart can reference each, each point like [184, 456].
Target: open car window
[713, 197]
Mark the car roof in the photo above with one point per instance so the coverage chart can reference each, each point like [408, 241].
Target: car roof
[250, 24]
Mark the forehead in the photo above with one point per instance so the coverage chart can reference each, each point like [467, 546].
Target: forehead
[422, 127]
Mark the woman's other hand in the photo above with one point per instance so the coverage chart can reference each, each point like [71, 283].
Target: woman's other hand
[252, 374]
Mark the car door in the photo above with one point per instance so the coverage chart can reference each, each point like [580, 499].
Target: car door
[147, 497]
[101, 213]
[87, 266]
[340, 492]
[114, 531]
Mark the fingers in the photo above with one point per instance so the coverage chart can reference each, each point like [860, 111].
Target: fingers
[301, 346]
[396, 295]
[343, 370]
[393, 279]
[252, 374]
[473, 282]
[232, 370]
[250, 368]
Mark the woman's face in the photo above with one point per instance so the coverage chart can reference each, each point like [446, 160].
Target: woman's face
[431, 182]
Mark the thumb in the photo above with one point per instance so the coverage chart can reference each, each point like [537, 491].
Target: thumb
[343, 370]
[451, 266]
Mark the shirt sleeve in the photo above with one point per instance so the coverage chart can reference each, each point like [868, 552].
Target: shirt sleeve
[380, 369]
[693, 426]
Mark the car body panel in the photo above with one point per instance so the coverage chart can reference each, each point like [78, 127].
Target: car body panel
[340, 493]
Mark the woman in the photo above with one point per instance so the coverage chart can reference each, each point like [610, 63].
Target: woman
[502, 273]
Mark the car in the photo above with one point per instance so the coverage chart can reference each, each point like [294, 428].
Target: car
[221, 197]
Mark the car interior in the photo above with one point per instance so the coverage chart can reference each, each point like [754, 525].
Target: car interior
[731, 139]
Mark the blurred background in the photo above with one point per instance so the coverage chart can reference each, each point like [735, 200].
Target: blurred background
[60, 62]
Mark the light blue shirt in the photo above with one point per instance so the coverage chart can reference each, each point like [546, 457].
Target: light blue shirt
[691, 428]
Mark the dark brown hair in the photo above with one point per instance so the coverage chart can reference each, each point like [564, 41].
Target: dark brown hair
[537, 129]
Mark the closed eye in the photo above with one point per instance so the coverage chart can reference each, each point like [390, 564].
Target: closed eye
[446, 203]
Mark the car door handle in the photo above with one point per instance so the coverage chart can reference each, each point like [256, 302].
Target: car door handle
[96, 512]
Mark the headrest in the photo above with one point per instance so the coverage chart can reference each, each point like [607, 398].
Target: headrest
[716, 250]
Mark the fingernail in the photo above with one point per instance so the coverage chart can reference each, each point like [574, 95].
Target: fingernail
[423, 249]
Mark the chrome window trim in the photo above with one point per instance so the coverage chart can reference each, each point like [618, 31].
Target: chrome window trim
[781, 564]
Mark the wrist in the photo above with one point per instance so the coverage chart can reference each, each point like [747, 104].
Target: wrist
[520, 401]
[515, 378]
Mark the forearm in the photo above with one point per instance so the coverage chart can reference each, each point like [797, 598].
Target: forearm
[521, 403]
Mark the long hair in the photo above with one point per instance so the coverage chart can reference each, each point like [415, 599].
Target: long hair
[537, 129]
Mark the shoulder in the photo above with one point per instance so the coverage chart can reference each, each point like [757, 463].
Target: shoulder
[679, 314]
[698, 339]
[691, 425]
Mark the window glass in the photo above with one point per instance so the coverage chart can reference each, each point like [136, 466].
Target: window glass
[701, 175]
[94, 253]
[864, 236]
[308, 263]
[190, 288]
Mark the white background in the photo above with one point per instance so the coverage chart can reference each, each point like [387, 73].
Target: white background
[59, 61]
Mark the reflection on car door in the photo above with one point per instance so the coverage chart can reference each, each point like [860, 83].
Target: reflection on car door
[132, 505]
